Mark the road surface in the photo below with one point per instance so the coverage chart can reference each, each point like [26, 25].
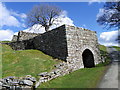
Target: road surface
[111, 78]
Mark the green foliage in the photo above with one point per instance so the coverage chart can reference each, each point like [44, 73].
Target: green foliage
[25, 62]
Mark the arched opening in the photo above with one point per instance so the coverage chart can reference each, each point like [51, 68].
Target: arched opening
[88, 59]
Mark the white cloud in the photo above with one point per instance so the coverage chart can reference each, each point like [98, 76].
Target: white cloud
[6, 35]
[109, 38]
[6, 18]
[92, 1]
[35, 29]
[21, 15]
[84, 26]
[62, 19]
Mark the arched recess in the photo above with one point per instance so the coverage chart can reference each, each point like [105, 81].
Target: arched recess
[88, 59]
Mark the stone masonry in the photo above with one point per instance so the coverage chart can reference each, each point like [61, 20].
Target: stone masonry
[66, 43]
[76, 46]
[24, 36]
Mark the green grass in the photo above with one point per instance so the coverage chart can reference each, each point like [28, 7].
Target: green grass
[104, 53]
[32, 62]
[82, 78]
[102, 48]
[5, 41]
[118, 48]
[0, 61]
[25, 62]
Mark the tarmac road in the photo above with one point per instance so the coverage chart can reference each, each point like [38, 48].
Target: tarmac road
[111, 78]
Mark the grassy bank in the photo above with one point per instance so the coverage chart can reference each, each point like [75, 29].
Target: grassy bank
[0, 61]
[32, 62]
[25, 62]
[116, 47]
[82, 78]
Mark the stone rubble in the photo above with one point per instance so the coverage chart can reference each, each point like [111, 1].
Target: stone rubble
[61, 70]
[14, 83]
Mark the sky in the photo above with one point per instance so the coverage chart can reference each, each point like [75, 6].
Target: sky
[81, 14]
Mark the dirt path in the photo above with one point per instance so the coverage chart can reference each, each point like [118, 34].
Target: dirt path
[110, 80]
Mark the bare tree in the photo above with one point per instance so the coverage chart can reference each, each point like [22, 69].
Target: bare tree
[111, 16]
[44, 15]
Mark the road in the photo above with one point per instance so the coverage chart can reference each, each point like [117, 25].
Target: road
[111, 78]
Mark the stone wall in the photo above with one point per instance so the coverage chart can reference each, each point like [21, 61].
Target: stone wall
[52, 43]
[76, 46]
[24, 36]
[79, 40]
[66, 43]
[14, 38]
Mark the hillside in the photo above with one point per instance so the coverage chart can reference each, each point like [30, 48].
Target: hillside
[0, 61]
[25, 62]
[116, 47]
[33, 62]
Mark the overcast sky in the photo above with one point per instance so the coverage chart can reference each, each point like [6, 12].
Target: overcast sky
[80, 14]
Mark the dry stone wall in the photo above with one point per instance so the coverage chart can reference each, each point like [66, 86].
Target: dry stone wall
[24, 36]
[14, 38]
[52, 43]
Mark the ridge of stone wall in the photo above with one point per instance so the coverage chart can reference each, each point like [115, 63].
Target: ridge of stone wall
[52, 43]
[24, 36]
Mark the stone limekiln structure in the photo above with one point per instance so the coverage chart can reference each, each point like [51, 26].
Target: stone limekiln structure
[78, 47]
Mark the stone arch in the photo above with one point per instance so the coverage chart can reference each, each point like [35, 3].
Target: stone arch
[88, 58]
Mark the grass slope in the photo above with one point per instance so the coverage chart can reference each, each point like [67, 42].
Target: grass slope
[25, 62]
[82, 78]
[118, 48]
[0, 61]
